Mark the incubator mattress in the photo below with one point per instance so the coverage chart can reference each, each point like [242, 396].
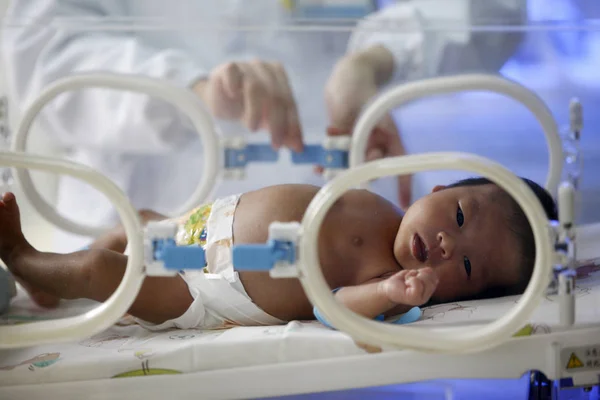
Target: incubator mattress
[129, 350]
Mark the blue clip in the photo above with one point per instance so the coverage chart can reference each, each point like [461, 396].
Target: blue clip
[262, 257]
[315, 154]
[238, 158]
[179, 257]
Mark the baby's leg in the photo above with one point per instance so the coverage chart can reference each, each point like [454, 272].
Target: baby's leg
[92, 274]
[116, 239]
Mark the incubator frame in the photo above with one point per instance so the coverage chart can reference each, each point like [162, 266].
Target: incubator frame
[310, 274]
[405, 93]
[230, 163]
[107, 313]
[182, 98]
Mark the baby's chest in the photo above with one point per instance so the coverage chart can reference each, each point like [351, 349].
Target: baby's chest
[352, 258]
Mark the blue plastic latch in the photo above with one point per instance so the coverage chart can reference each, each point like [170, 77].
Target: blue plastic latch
[238, 158]
[565, 383]
[159, 247]
[413, 315]
[262, 257]
[328, 158]
[179, 257]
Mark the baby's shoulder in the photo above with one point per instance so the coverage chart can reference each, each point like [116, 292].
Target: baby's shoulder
[367, 201]
[285, 193]
[364, 212]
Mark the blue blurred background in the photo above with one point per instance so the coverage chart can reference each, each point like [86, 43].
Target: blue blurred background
[559, 59]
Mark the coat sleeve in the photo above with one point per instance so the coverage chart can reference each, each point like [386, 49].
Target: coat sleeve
[430, 38]
[43, 41]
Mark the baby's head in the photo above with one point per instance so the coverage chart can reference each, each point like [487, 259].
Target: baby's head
[474, 235]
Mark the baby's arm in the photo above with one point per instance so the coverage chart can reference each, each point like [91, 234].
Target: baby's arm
[390, 296]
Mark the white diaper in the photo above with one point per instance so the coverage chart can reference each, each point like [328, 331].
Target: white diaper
[220, 300]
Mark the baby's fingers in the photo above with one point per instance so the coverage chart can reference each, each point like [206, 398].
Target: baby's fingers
[416, 290]
[428, 276]
[430, 281]
[411, 287]
[421, 285]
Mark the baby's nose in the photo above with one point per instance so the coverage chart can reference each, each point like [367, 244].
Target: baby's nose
[446, 245]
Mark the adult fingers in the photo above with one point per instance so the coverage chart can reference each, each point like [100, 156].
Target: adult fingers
[376, 145]
[231, 77]
[405, 191]
[404, 181]
[293, 135]
[255, 97]
[395, 148]
[274, 116]
[335, 131]
[374, 153]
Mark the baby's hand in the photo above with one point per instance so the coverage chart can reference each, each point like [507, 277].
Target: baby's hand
[411, 287]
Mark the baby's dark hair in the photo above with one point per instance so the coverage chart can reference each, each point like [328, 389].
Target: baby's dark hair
[521, 229]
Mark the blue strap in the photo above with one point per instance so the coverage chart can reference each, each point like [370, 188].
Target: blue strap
[178, 258]
[315, 154]
[238, 158]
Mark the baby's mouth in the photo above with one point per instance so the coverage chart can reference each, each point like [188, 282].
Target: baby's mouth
[418, 248]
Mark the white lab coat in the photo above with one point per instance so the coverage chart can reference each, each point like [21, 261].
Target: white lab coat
[143, 144]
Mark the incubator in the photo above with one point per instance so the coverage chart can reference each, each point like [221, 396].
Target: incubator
[488, 88]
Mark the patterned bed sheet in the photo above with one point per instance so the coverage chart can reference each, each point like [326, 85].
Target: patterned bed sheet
[128, 350]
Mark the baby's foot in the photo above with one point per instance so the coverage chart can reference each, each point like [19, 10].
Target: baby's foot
[14, 245]
[39, 297]
[411, 287]
[11, 236]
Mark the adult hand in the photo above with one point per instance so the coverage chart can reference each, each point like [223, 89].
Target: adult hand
[355, 80]
[257, 94]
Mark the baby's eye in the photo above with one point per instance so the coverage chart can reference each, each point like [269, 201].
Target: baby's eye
[460, 217]
[467, 266]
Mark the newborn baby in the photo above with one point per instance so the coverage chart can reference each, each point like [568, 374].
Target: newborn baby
[466, 240]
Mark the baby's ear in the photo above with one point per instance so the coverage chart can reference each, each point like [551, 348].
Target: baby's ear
[437, 188]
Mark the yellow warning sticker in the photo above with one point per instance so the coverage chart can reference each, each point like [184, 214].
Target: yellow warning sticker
[579, 359]
[574, 362]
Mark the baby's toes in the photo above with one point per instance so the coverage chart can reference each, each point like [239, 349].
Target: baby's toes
[9, 206]
[10, 202]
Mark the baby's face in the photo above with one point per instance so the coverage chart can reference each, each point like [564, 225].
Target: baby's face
[462, 233]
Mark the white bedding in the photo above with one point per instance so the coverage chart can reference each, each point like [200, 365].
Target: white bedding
[129, 350]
